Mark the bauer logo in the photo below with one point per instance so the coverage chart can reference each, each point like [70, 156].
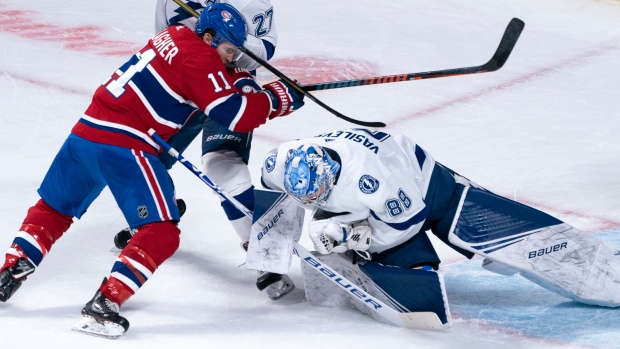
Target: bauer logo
[223, 137]
[342, 282]
[547, 250]
[270, 224]
[368, 184]
[270, 163]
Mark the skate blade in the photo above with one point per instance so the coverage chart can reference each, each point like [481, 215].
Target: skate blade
[279, 290]
[88, 325]
[115, 249]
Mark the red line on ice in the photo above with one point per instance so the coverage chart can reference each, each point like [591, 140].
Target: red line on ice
[529, 77]
[596, 223]
[81, 38]
[45, 84]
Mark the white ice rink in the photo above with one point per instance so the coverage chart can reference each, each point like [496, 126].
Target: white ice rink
[543, 130]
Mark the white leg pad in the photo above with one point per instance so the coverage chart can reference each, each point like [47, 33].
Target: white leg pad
[277, 226]
[557, 257]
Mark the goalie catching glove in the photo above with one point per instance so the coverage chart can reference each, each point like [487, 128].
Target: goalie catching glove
[334, 235]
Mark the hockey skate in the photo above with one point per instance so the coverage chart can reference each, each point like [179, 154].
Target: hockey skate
[275, 285]
[11, 278]
[121, 239]
[100, 318]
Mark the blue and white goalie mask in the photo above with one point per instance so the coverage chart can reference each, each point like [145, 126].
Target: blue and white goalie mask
[309, 174]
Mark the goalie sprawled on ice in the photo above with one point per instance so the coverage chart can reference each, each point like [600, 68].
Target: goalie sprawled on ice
[376, 194]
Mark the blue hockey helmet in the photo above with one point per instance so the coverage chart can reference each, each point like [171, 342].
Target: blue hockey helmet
[309, 174]
[227, 23]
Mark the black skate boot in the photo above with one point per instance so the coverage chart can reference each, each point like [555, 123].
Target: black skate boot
[100, 318]
[277, 285]
[11, 278]
[121, 239]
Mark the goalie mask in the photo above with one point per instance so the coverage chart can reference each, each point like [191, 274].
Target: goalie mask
[309, 174]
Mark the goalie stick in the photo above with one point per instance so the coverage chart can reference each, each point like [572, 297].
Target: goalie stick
[508, 42]
[414, 320]
[288, 80]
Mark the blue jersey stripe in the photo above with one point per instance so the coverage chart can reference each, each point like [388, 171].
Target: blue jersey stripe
[420, 155]
[116, 130]
[165, 105]
[225, 112]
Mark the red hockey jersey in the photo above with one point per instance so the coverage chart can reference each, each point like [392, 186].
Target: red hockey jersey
[160, 87]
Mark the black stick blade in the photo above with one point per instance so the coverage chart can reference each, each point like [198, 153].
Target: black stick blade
[509, 40]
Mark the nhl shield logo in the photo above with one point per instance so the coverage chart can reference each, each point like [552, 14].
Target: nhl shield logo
[368, 184]
[143, 212]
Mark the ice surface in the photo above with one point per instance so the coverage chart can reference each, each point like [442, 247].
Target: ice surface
[542, 130]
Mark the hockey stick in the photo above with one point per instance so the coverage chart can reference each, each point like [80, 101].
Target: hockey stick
[414, 320]
[288, 80]
[508, 42]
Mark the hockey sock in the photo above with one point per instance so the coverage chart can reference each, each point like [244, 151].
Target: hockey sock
[41, 228]
[146, 251]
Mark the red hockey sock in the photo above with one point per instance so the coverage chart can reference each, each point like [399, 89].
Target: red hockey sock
[146, 251]
[41, 228]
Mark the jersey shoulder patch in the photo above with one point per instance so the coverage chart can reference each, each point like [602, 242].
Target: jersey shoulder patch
[368, 184]
[270, 162]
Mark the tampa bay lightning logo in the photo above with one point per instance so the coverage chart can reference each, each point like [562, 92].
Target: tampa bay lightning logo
[270, 162]
[368, 184]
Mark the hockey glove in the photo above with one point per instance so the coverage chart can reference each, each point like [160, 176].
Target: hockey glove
[243, 80]
[284, 98]
[329, 235]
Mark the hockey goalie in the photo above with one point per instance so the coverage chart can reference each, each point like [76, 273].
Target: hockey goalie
[373, 196]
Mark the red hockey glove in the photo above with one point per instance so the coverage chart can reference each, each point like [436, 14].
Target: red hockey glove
[284, 98]
[243, 80]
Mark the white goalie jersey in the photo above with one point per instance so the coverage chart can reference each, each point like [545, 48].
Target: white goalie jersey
[258, 15]
[387, 175]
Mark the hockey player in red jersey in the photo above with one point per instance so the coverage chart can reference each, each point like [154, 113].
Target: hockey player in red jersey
[158, 88]
[225, 153]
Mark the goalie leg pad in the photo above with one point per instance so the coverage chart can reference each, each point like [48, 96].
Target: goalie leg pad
[411, 290]
[403, 289]
[416, 251]
[277, 226]
[542, 248]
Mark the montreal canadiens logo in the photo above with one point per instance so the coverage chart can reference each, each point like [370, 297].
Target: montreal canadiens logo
[368, 184]
[226, 14]
[270, 163]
